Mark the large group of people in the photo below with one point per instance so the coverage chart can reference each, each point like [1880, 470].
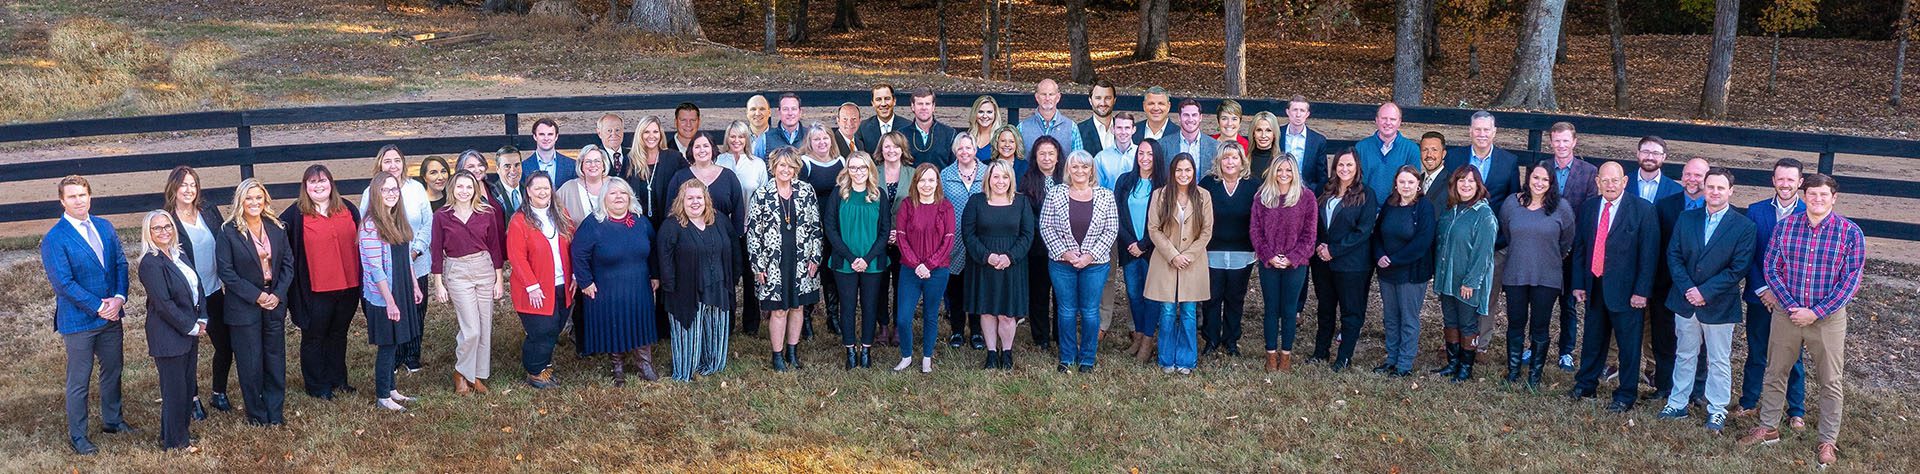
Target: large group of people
[871, 222]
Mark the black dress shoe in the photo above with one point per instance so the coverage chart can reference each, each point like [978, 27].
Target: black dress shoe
[1339, 366]
[1619, 407]
[83, 446]
[345, 388]
[1661, 395]
[956, 340]
[199, 411]
[1383, 368]
[1398, 373]
[118, 428]
[1233, 351]
[1086, 369]
[328, 396]
[1062, 368]
[219, 402]
[1577, 395]
[979, 342]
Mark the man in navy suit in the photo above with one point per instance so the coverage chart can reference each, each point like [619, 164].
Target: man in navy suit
[546, 133]
[1498, 168]
[1436, 169]
[1650, 183]
[1614, 254]
[1096, 132]
[1305, 145]
[882, 122]
[89, 277]
[1710, 252]
[1766, 214]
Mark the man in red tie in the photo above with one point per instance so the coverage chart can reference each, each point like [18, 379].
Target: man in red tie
[1614, 256]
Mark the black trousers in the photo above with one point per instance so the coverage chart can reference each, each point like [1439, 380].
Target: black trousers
[1623, 327]
[220, 338]
[957, 321]
[1662, 341]
[1220, 316]
[861, 292]
[1342, 305]
[1569, 326]
[1040, 304]
[323, 341]
[178, 384]
[1529, 317]
[260, 354]
[749, 314]
[409, 352]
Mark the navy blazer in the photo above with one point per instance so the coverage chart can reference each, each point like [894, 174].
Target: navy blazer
[1633, 250]
[173, 308]
[1121, 187]
[80, 280]
[1715, 266]
[1348, 231]
[1764, 216]
[240, 272]
[1503, 179]
[1090, 137]
[563, 169]
[1579, 186]
[1313, 166]
[867, 139]
[1667, 210]
[1668, 187]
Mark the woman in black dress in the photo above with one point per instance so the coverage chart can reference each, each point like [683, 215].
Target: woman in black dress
[615, 247]
[783, 239]
[820, 167]
[387, 284]
[256, 266]
[998, 229]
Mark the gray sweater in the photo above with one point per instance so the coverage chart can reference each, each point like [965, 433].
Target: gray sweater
[1538, 241]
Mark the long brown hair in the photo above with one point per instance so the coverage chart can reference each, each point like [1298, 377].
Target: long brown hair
[335, 203]
[178, 179]
[389, 222]
[1355, 192]
[913, 188]
[1196, 198]
[559, 219]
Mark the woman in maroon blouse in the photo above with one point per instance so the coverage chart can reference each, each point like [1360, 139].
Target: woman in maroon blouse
[323, 232]
[1285, 224]
[468, 253]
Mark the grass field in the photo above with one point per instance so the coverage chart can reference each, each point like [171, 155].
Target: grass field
[1228, 417]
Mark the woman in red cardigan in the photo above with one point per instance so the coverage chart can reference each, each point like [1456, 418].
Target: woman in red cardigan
[537, 249]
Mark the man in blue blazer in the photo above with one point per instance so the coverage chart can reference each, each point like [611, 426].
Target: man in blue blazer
[1188, 139]
[1765, 215]
[562, 169]
[1385, 151]
[1614, 253]
[1499, 169]
[1711, 251]
[89, 277]
[1650, 183]
[1306, 146]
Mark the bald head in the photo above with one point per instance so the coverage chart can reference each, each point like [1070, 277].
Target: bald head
[1612, 180]
[1387, 119]
[1047, 94]
[1693, 174]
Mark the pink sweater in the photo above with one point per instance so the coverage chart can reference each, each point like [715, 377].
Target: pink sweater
[1285, 230]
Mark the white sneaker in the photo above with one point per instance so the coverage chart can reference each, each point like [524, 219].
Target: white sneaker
[1186, 371]
[904, 363]
[390, 405]
[926, 365]
[396, 396]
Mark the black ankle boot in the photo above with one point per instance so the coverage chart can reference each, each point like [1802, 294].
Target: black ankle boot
[1453, 361]
[1006, 359]
[1514, 370]
[1466, 365]
[866, 358]
[793, 357]
[779, 361]
[853, 358]
[992, 360]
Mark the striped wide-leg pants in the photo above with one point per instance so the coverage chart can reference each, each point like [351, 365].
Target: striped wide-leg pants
[701, 346]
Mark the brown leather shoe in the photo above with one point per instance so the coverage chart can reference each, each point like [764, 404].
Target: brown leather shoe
[1273, 361]
[1797, 422]
[1286, 361]
[1739, 412]
[1133, 342]
[1829, 453]
[1759, 435]
[478, 386]
[460, 386]
[1145, 354]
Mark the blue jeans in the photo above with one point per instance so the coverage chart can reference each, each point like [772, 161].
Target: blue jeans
[1078, 292]
[1282, 290]
[1759, 329]
[923, 294]
[1178, 337]
[384, 361]
[543, 331]
[1146, 313]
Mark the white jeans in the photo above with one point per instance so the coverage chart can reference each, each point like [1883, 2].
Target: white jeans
[1718, 341]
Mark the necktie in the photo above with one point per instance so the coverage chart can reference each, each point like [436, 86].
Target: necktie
[93, 240]
[1600, 240]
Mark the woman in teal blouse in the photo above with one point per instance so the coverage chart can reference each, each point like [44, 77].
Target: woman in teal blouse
[1463, 273]
[857, 224]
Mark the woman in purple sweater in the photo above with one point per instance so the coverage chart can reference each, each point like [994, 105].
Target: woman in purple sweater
[1284, 231]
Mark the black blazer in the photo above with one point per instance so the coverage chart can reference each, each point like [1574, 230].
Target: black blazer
[240, 272]
[1121, 187]
[1348, 232]
[1090, 137]
[173, 308]
[300, 290]
[209, 214]
[1633, 249]
[1313, 167]
[1667, 210]
[1715, 267]
[839, 252]
[867, 139]
[1502, 180]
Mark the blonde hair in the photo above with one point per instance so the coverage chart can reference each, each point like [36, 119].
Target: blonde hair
[998, 166]
[679, 212]
[617, 185]
[1220, 171]
[741, 128]
[973, 121]
[845, 180]
[1081, 157]
[580, 163]
[993, 143]
[239, 203]
[637, 168]
[783, 156]
[1272, 193]
[477, 202]
[1273, 121]
[818, 128]
[146, 234]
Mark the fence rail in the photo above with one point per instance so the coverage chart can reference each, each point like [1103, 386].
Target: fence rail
[510, 109]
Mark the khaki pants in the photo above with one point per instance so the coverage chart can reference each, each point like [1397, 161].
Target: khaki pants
[469, 282]
[1825, 343]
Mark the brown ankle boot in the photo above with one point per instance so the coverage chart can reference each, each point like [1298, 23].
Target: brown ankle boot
[479, 386]
[1133, 343]
[1286, 361]
[645, 354]
[460, 386]
[619, 370]
[1146, 349]
[1273, 361]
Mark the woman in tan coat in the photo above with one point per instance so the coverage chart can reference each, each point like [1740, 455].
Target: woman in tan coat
[1180, 223]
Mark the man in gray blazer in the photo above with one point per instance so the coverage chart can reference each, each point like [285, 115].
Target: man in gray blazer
[1708, 255]
[1189, 140]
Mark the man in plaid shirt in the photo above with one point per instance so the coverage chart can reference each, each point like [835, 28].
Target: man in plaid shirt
[1813, 268]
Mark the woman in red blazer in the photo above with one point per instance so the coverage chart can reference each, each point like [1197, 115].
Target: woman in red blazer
[537, 248]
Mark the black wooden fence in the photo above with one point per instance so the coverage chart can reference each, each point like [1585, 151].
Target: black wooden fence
[511, 110]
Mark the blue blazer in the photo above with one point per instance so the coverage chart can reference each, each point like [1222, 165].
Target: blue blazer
[1203, 157]
[1764, 217]
[173, 308]
[79, 280]
[563, 169]
[1633, 249]
[1714, 266]
[1503, 179]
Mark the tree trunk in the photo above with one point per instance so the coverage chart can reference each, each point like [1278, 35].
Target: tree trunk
[1617, 29]
[1236, 30]
[1430, 41]
[1473, 58]
[1409, 57]
[989, 19]
[1560, 52]
[1530, 85]
[1082, 59]
[667, 17]
[1773, 64]
[940, 15]
[1151, 44]
[846, 15]
[797, 24]
[1904, 32]
[769, 46]
[1726, 22]
[1006, 39]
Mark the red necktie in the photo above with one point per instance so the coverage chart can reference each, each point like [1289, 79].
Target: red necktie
[1600, 239]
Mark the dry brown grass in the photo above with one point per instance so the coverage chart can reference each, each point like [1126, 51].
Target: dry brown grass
[93, 66]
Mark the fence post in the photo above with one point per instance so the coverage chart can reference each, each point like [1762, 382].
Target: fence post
[246, 145]
[1533, 140]
[512, 122]
[1826, 163]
